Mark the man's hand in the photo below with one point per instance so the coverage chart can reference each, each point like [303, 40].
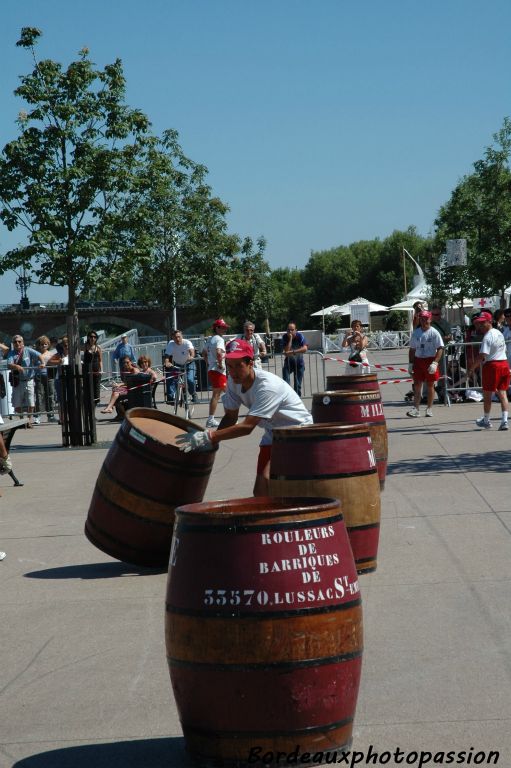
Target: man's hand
[432, 368]
[410, 368]
[194, 441]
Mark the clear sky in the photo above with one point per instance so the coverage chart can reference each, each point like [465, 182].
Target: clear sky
[321, 123]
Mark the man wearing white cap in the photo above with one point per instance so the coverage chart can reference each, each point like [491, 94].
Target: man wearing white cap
[492, 356]
[270, 401]
[214, 353]
[426, 347]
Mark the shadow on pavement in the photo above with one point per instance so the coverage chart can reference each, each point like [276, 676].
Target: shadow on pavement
[144, 753]
[94, 571]
[486, 461]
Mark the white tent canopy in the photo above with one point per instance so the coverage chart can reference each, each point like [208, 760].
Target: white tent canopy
[373, 306]
[344, 309]
[333, 309]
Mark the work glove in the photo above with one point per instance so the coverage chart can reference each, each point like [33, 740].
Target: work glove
[194, 441]
[432, 368]
[5, 465]
[410, 368]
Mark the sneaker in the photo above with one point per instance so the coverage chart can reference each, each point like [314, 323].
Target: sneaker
[195, 399]
[428, 412]
[503, 426]
[36, 420]
[483, 423]
[413, 413]
[170, 401]
[212, 422]
[52, 418]
[2, 555]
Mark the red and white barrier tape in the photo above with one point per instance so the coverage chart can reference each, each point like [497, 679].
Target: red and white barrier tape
[354, 364]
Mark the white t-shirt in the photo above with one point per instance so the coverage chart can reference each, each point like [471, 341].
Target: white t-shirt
[425, 343]
[493, 346]
[212, 344]
[179, 352]
[270, 399]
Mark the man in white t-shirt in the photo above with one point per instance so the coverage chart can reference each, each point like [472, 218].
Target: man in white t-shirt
[179, 353]
[255, 340]
[270, 401]
[426, 347]
[492, 356]
[214, 353]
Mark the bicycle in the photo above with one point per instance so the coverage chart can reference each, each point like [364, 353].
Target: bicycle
[182, 397]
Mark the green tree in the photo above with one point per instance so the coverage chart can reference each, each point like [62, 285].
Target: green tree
[479, 210]
[183, 248]
[332, 275]
[292, 298]
[65, 178]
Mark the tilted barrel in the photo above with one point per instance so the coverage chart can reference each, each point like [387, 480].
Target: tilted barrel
[263, 627]
[142, 480]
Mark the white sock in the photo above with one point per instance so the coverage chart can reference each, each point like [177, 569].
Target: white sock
[504, 417]
[486, 417]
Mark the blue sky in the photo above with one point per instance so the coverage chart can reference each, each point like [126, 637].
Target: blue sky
[320, 123]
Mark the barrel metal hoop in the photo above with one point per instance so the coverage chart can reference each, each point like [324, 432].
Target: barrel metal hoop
[279, 665]
[184, 527]
[264, 614]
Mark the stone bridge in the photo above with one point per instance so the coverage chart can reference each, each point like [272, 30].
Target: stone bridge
[51, 321]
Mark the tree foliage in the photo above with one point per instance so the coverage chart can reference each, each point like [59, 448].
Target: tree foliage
[63, 180]
[479, 210]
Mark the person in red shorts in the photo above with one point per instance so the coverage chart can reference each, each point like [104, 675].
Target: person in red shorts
[426, 348]
[214, 353]
[492, 356]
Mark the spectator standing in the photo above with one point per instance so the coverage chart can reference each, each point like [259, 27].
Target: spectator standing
[45, 399]
[506, 332]
[357, 342]
[426, 347]
[499, 319]
[124, 349]
[255, 341]
[270, 401]
[23, 362]
[179, 353]
[294, 345]
[492, 356]
[214, 353]
[60, 358]
[93, 362]
[418, 307]
[440, 323]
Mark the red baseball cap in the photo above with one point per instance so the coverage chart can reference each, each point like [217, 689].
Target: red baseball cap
[484, 317]
[238, 348]
[220, 323]
[425, 313]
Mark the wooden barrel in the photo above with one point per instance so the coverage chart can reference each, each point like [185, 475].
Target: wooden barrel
[263, 627]
[356, 407]
[143, 478]
[360, 382]
[338, 461]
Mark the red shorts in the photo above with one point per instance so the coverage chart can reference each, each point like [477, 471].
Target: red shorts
[263, 458]
[420, 369]
[496, 376]
[217, 380]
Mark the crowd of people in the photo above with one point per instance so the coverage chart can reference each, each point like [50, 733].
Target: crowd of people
[483, 362]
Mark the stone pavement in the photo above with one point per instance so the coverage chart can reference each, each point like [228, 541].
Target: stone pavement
[83, 675]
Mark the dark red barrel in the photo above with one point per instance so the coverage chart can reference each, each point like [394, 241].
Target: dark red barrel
[143, 478]
[356, 407]
[338, 461]
[360, 382]
[263, 627]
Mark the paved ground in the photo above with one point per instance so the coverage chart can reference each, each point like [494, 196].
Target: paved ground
[83, 678]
